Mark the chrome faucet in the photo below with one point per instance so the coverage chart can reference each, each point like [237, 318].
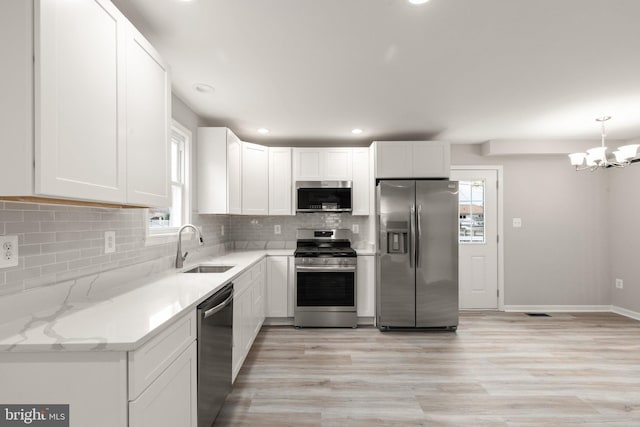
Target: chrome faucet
[179, 257]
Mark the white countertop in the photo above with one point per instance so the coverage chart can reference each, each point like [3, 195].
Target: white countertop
[77, 322]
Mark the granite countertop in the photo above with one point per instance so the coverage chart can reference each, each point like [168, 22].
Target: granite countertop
[79, 316]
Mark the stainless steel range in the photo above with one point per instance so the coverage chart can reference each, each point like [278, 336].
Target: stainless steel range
[325, 281]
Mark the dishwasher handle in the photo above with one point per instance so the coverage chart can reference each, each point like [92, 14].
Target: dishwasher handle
[218, 307]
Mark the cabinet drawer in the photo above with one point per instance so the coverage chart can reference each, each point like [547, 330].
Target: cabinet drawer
[257, 271]
[241, 283]
[150, 360]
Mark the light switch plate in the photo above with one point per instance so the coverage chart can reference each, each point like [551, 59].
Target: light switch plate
[277, 229]
[355, 228]
[8, 251]
[109, 242]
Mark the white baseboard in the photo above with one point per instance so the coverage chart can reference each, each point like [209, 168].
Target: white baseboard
[557, 308]
[625, 312]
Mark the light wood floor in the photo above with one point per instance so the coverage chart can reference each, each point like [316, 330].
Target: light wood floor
[498, 369]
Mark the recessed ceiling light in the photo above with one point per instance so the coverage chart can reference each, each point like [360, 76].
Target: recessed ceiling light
[203, 88]
[263, 131]
[356, 131]
[418, 1]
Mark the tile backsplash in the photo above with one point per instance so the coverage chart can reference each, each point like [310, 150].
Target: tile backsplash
[256, 232]
[58, 242]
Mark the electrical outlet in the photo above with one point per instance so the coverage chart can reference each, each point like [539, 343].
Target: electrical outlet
[355, 228]
[109, 242]
[619, 284]
[8, 251]
[222, 230]
[277, 229]
[517, 222]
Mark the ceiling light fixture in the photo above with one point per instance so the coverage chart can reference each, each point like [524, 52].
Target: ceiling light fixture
[418, 1]
[263, 131]
[203, 88]
[598, 157]
[356, 131]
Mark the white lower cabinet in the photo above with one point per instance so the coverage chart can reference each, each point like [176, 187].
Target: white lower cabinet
[248, 312]
[277, 286]
[163, 378]
[171, 399]
[366, 285]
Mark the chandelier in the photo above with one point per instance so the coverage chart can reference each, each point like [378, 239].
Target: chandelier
[598, 157]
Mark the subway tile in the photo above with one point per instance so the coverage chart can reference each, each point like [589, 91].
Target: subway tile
[68, 255]
[79, 263]
[55, 268]
[27, 250]
[31, 238]
[37, 282]
[93, 252]
[39, 260]
[65, 246]
[21, 206]
[67, 236]
[38, 216]
[21, 227]
[14, 216]
[27, 273]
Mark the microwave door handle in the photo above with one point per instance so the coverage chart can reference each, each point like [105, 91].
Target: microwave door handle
[412, 235]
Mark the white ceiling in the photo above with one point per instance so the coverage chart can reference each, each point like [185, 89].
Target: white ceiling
[458, 70]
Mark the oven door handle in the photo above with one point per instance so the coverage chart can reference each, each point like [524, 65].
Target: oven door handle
[326, 268]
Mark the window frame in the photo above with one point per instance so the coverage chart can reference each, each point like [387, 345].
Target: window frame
[160, 235]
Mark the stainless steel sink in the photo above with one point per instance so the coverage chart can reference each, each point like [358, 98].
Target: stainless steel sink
[210, 269]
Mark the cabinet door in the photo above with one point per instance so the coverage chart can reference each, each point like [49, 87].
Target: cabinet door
[234, 173]
[148, 110]
[393, 159]
[337, 164]
[308, 164]
[277, 286]
[255, 179]
[79, 100]
[242, 327]
[171, 399]
[431, 159]
[258, 307]
[366, 285]
[280, 189]
[361, 181]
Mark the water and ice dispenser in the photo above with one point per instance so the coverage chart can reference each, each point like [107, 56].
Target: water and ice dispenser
[397, 237]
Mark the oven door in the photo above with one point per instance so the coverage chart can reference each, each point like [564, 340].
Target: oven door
[325, 288]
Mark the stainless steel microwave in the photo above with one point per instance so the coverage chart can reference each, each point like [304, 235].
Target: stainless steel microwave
[323, 196]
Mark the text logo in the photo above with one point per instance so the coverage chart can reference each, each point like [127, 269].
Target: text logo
[34, 415]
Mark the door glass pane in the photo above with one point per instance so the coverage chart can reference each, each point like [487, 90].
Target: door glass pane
[471, 211]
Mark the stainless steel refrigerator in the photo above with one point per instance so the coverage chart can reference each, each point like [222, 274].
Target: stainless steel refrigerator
[417, 256]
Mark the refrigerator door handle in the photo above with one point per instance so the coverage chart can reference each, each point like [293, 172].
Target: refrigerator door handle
[412, 238]
[419, 237]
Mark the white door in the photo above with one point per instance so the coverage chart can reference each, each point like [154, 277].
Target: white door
[478, 237]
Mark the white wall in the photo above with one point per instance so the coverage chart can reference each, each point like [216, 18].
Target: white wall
[624, 235]
[560, 255]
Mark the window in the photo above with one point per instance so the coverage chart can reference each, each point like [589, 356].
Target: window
[166, 220]
[471, 211]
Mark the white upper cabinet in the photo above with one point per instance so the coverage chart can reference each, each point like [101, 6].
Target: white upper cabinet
[322, 164]
[255, 179]
[148, 124]
[280, 189]
[362, 182]
[80, 100]
[219, 171]
[91, 96]
[412, 159]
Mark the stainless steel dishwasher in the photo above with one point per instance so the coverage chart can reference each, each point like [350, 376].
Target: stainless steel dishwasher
[215, 340]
